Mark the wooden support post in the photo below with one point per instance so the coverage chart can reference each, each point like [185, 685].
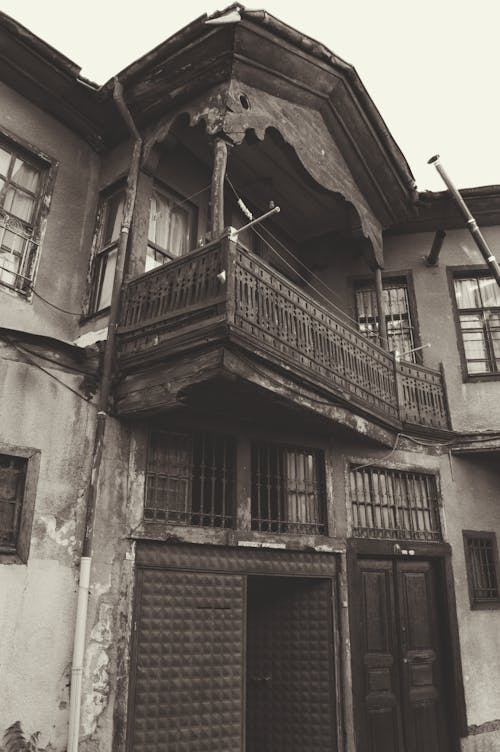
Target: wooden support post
[217, 189]
[382, 324]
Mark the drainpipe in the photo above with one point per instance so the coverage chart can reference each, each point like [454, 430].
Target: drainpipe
[433, 257]
[102, 414]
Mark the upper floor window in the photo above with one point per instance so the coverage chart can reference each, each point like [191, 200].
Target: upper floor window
[21, 183]
[170, 232]
[478, 302]
[481, 558]
[106, 250]
[394, 504]
[190, 479]
[396, 302]
[288, 490]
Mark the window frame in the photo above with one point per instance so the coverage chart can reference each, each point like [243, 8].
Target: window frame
[468, 535]
[19, 552]
[47, 167]
[192, 210]
[464, 272]
[404, 278]
[101, 252]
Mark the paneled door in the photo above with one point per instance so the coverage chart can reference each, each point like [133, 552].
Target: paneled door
[401, 676]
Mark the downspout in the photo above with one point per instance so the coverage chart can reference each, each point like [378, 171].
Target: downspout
[102, 414]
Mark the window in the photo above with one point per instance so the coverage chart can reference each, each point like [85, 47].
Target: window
[394, 504]
[481, 558]
[400, 330]
[478, 302]
[21, 183]
[190, 479]
[288, 490]
[171, 223]
[18, 474]
[104, 262]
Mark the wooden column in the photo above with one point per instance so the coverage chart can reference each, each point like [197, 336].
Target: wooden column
[382, 324]
[217, 189]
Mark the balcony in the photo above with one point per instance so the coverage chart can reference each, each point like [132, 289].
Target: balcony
[224, 294]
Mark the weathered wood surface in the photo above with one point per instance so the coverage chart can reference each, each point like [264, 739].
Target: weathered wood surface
[224, 292]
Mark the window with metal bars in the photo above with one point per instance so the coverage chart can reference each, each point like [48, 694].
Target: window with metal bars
[478, 302]
[190, 479]
[12, 480]
[481, 557]
[288, 490]
[394, 504]
[396, 302]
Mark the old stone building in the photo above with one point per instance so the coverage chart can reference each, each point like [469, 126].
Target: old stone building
[268, 454]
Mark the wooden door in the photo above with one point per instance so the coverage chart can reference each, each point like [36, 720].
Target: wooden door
[402, 681]
[290, 691]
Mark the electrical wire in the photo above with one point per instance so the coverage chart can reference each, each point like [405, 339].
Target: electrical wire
[44, 370]
[379, 459]
[299, 262]
[53, 305]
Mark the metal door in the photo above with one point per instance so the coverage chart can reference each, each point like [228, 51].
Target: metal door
[401, 641]
[187, 674]
[290, 688]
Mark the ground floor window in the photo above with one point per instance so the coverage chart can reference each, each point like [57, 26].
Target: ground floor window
[481, 556]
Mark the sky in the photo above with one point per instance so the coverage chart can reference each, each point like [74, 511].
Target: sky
[431, 67]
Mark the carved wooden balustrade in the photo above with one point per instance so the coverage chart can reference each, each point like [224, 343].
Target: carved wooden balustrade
[223, 292]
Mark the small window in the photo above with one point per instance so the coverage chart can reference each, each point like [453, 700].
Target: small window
[400, 328]
[190, 479]
[21, 184]
[478, 302]
[394, 504]
[104, 261]
[288, 490]
[171, 222]
[481, 557]
[18, 474]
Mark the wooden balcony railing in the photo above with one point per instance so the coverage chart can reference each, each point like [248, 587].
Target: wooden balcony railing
[223, 291]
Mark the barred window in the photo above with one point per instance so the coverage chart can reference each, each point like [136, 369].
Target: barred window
[12, 479]
[288, 490]
[400, 329]
[190, 479]
[478, 302]
[394, 504]
[21, 184]
[481, 556]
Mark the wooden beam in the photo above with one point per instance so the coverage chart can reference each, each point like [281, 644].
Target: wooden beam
[379, 294]
[217, 189]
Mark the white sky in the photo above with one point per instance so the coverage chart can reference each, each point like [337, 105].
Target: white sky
[432, 67]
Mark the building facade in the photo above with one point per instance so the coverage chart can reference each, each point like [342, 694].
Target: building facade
[273, 445]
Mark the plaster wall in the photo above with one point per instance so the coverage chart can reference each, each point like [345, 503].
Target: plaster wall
[37, 599]
[63, 261]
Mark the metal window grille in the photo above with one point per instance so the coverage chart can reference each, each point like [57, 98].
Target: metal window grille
[400, 331]
[288, 490]
[12, 482]
[190, 479]
[482, 570]
[394, 504]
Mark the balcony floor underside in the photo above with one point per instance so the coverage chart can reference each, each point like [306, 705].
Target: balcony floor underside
[226, 380]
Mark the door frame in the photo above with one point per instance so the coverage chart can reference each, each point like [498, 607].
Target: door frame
[440, 555]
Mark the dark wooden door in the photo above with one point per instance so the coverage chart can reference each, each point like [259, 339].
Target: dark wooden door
[290, 689]
[402, 678]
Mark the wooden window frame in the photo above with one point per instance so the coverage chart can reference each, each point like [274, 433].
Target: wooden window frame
[192, 211]
[33, 231]
[475, 604]
[19, 552]
[100, 252]
[405, 278]
[464, 272]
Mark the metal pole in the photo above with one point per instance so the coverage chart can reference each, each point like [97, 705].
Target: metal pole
[469, 219]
